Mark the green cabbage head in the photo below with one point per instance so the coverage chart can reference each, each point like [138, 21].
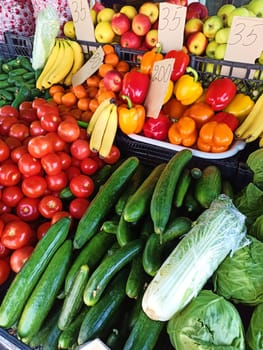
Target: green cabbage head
[254, 334]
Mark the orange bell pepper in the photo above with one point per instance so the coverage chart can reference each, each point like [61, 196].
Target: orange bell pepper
[183, 132]
[215, 137]
[149, 58]
[131, 117]
[174, 108]
[201, 112]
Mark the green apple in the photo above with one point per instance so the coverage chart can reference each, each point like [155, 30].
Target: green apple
[105, 15]
[256, 6]
[210, 49]
[103, 32]
[129, 10]
[222, 35]
[224, 12]
[239, 11]
[211, 25]
[220, 51]
[212, 68]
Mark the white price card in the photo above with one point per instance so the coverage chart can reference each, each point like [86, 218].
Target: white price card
[245, 43]
[161, 74]
[171, 26]
[81, 16]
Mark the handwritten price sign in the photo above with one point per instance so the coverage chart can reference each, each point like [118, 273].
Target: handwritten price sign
[82, 20]
[171, 26]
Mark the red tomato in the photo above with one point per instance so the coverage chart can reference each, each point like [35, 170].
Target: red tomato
[68, 131]
[29, 165]
[17, 153]
[58, 143]
[4, 150]
[80, 149]
[39, 146]
[25, 105]
[9, 174]
[34, 186]
[9, 111]
[19, 130]
[65, 159]
[38, 102]
[81, 186]
[4, 271]
[51, 164]
[59, 215]
[72, 171]
[78, 206]
[5, 125]
[89, 166]
[7, 217]
[36, 129]
[17, 234]
[57, 182]
[4, 208]
[47, 108]
[4, 251]
[49, 205]
[42, 229]
[113, 156]
[27, 209]
[27, 115]
[19, 257]
[50, 121]
[12, 195]
[12, 142]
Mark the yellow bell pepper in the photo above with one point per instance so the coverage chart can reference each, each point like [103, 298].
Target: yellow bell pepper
[169, 92]
[240, 106]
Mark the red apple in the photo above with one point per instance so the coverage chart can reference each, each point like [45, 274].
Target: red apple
[120, 23]
[178, 2]
[151, 38]
[141, 24]
[113, 80]
[196, 43]
[155, 24]
[193, 25]
[98, 6]
[196, 10]
[130, 40]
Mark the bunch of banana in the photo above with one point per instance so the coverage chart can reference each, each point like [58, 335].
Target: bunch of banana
[65, 59]
[252, 127]
[102, 127]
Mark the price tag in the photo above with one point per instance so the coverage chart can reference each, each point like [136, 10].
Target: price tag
[161, 74]
[171, 26]
[89, 68]
[244, 43]
[82, 19]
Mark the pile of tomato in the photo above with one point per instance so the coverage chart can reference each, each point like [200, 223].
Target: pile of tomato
[42, 152]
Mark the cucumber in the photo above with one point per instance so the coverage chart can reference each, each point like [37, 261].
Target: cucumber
[227, 188]
[29, 76]
[110, 226]
[108, 268]
[3, 76]
[125, 231]
[136, 279]
[66, 194]
[191, 205]
[26, 280]
[17, 72]
[177, 227]
[4, 94]
[4, 84]
[152, 257]
[104, 201]
[98, 316]
[101, 176]
[209, 186]
[45, 292]
[138, 204]
[162, 198]
[74, 299]
[181, 188]
[90, 254]
[144, 334]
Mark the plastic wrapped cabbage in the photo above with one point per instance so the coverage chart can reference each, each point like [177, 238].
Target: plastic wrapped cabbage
[254, 334]
[209, 322]
[240, 277]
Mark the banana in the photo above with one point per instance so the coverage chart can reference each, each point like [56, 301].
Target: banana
[252, 126]
[49, 64]
[109, 134]
[99, 128]
[78, 61]
[96, 114]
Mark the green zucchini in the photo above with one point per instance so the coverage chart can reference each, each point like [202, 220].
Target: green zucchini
[181, 188]
[98, 316]
[136, 278]
[138, 203]
[104, 201]
[26, 280]
[45, 292]
[209, 186]
[108, 268]
[162, 198]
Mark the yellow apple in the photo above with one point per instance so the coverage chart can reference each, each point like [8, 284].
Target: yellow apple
[151, 10]
[69, 30]
[93, 15]
[103, 32]
[129, 10]
[105, 15]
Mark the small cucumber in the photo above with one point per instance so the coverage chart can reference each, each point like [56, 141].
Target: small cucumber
[125, 231]
[110, 226]
[181, 188]
[104, 201]
[138, 204]
[177, 227]
[152, 257]
[162, 198]
[29, 76]
[45, 292]
[3, 76]
[27, 278]
[136, 279]
[191, 205]
[17, 72]
[66, 194]
[108, 268]
[4, 94]
[4, 84]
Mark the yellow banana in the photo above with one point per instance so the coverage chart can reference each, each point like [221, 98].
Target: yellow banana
[109, 134]
[252, 126]
[96, 114]
[260, 143]
[78, 61]
[99, 128]
[49, 64]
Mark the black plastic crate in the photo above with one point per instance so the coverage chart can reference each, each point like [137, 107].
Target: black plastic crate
[19, 45]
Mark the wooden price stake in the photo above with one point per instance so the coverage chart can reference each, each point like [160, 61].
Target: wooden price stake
[244, 43]
[82, 20]
[171, 26]
[161, 74]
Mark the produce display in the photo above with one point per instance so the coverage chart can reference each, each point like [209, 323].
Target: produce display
[96, 245]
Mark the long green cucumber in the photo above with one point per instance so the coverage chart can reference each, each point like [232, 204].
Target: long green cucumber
[25, 281]
[44, 294]
[162, 198]
[103, 202]
[152, 257]
[136, 279]
[139, 203]
[181, 188]
[108, 268]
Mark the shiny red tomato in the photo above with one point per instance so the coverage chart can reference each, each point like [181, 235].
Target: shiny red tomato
[25, 105]
[7, 217]
[65, 159]
[68, 131]
[50, 121]
[80, 149]
[4, 150]
[113, 156]
[47, 108]
[82, 186]
[17, 234]
[9, 111]
[4, 251]
[59, 215]
[5, 125]
[58, 143]
[51, 163]
[89, 166]
[78, 206]
[57, 182]
[11, 195]
[49, 205]
[39, 146]
[72, 171]
[4, 271]
[9, 174]
[19, 130]
[42, 229]
[29, 165]
[27, 115]
[38, 102]
[17, 153]
[19, 257]
[13, 142]
[4, 208]
[34, 186]
[27, 209]
[36, 129]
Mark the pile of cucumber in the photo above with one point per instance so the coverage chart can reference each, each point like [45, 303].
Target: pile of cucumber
[87, 282]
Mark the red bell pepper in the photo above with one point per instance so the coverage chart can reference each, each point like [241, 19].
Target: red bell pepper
[135, 85]
[157, 128]
[220, 93]
[182, 59]
[228, 118]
